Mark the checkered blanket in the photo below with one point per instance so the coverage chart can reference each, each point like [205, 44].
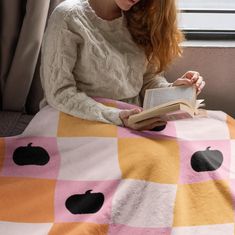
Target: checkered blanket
[65, 175]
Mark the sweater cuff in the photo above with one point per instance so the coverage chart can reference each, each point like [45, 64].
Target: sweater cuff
[112, 115]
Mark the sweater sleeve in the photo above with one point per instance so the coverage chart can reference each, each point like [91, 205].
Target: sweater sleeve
[60, 50]
[151, 80]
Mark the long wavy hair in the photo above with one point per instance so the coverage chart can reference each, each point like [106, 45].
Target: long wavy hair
[153, 26]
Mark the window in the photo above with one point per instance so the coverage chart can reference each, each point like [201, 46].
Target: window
[207, 19]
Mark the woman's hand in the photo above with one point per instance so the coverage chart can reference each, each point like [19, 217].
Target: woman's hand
[190, 78]
[143, 125]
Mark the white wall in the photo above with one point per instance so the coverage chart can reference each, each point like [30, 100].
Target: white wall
[217, 66]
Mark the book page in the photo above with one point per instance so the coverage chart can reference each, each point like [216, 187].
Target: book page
[177, 116]
[199, 103]
[158, 96]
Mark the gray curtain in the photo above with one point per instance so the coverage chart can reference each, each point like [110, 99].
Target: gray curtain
[22, 24]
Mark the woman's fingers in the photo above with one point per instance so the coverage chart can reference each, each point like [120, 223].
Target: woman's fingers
[182, 81]
[201, 86]
[198, 81]
[191, 75]
[127, 113]
[190, 78]
[147, 124]
[194, 76]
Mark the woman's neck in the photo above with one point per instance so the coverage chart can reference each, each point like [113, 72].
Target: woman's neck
[105, 9]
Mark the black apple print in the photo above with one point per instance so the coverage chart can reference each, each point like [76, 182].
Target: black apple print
[207, 160]
[159, 128]
[85, 203]
[30, 155]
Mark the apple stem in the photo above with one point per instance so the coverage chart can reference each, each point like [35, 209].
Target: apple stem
[208, 148]
[29, 145]
[88, 191]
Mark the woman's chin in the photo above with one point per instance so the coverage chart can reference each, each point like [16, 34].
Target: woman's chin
[125, 6]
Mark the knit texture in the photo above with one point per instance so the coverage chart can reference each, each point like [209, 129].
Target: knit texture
[85, 56]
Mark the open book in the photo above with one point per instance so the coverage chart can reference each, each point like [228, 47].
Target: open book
[169, 103]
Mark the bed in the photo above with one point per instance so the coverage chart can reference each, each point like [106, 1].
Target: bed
[65, 175]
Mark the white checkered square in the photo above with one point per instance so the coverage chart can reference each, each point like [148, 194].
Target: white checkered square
[44, 123]
[217, 229]
[88, 158]
[10, 228]
[213, 127]
[135, 200]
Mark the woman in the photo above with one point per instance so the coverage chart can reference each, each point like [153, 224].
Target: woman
[112, 49]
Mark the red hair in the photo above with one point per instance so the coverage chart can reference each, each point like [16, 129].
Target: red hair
[153, 26]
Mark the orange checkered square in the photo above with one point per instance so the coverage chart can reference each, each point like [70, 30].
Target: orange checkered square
[27, 200]
[149, 159]
[79, 229]
[203, 204]
[70, 126]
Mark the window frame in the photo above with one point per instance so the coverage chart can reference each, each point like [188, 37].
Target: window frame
[200, 34]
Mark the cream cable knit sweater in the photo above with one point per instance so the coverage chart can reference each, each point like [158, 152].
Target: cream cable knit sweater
[84, 56]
